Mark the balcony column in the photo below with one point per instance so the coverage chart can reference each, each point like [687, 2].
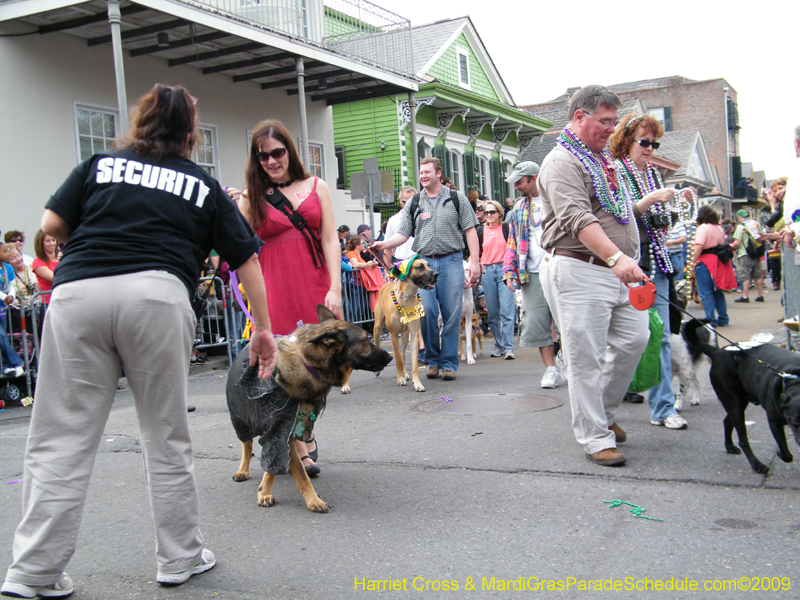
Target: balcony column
[414, 158]
[114, 19]
[301, 94]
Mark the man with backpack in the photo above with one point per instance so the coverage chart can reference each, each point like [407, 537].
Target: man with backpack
[749, 244]
[439, 220]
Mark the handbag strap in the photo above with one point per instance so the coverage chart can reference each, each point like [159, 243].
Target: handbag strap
[276, 198]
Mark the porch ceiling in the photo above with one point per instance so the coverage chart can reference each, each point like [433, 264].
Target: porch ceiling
[261, 59]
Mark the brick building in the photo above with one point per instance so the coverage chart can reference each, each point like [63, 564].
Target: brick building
[683, 104]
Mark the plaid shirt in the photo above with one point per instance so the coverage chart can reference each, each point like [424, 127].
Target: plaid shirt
[439, 228]
[518, 242]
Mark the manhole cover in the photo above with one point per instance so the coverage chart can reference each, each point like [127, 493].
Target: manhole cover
[736, 523]
[489, 404]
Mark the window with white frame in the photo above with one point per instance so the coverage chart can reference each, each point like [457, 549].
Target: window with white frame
[205, 150]
[455, 165]
[462, 56]
[506, 171]
[96, 129]
[316, 164]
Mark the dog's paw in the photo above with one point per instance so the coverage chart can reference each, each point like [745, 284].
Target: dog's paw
[760, 468]
[241, 476]
[402, 380]
[265, 500]
[318, 506]
[787, 458]
[471, 360]
[346, 388]
[418, 387]
[695, 401]
[732, 449]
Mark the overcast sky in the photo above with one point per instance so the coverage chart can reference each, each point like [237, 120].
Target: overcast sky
[542, 48]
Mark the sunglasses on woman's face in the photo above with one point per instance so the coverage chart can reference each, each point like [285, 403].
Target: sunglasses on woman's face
[647, 144]
[490, 212]
[15, 240]
[276, 154]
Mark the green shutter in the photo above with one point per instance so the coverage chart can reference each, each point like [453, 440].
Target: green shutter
[497, 180]
[443, 154]
[667, 118]
[470, 161]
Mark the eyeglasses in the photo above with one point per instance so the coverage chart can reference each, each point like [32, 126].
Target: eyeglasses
[647, 144]
[490, 212]
[276, 154]
[15, 240]
[604, 122]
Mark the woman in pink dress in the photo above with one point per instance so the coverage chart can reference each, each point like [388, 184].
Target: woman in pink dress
[302, 268]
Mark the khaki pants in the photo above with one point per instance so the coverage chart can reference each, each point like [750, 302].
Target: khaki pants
[602, 338]
[144, 323]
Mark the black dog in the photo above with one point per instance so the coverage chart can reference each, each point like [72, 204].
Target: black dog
[739, 378]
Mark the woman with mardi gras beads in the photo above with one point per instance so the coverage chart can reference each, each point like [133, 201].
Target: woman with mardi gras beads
[632, 145]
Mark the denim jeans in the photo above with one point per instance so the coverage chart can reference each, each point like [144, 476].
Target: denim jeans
[711, 297]
[678, 262]
[446, 298]
[501, 307]
[10, 356]
[662, 397]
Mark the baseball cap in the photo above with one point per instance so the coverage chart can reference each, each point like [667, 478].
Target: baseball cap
[526, 168]
[742, 213]
[363, 228]
[343, 228]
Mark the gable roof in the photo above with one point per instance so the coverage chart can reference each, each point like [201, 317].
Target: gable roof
[430, 41]
[679, 147]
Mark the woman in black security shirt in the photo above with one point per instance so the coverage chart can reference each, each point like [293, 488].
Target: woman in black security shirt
[137, 223]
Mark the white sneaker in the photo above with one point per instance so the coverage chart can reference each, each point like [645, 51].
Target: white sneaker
[675, 421]
[63, 587]
[496, 352]
[510, 355]
[207, 562]
[562, 366]
[551, 377]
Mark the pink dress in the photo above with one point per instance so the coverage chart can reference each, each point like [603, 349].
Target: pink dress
[294, 285]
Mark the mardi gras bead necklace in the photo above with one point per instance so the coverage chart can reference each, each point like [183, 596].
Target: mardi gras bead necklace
[612, 197]
[397, 304]
[640, 185]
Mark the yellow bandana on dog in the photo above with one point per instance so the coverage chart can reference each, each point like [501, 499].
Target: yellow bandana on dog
[401, 269]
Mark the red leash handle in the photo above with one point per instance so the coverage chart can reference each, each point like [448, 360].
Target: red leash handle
[642, 295]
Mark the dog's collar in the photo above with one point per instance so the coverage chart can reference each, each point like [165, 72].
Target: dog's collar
[314, 373]
[410, 294]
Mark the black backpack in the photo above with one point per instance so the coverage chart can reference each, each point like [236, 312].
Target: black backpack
[414, 208]
[752, 250]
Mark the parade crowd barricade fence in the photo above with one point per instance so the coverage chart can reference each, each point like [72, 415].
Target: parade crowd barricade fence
[217, 329]
[25, 342]
[356, 307]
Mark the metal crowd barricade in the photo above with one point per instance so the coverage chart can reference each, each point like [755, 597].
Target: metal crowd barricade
[30, 316]
[355, 301]
[216, 329]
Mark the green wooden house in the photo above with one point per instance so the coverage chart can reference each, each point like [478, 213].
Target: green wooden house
[465, 116]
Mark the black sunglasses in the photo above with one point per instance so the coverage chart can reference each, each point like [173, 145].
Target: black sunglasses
[647, 144]
[276, 154]
[15, 240]
[490, 212]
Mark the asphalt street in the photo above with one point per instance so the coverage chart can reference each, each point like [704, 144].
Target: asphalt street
[475, 497]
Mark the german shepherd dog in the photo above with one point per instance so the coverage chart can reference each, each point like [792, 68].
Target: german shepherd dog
[396, 299]
[310, 360]
[739, 378]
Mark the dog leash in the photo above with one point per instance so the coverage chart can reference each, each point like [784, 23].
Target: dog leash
[778, 372]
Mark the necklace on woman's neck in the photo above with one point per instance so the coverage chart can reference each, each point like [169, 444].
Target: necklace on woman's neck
[286, 184]
[641, 184]
[614, 199]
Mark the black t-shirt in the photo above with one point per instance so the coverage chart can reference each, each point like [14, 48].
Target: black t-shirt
[129, 214]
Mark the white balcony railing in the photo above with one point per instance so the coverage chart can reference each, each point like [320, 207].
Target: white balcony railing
[355, 28]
